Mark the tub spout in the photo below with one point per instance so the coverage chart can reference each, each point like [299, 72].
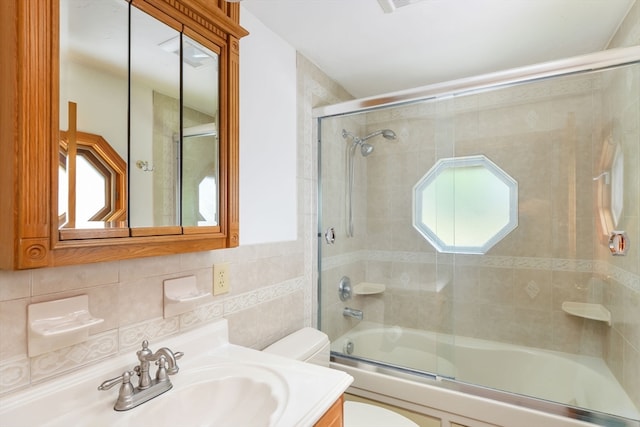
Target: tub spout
[351, 312]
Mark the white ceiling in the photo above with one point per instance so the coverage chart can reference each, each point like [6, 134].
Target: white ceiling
[370, 52]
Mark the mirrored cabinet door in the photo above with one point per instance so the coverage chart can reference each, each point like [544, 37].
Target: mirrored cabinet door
[93, 104]
[124, 136]
[155, 122]
[153, 91]
[200, 153]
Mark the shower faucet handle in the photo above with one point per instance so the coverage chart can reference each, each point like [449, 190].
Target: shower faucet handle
[330, 235]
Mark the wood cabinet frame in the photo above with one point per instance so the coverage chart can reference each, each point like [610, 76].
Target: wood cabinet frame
[29, 236]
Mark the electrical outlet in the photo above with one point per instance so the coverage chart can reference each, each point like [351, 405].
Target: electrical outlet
[220, 278]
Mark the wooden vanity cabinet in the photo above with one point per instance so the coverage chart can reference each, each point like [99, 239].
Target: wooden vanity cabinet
[29, 119]
[334, 417]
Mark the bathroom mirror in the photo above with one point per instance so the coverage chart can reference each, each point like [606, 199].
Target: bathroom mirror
[95, 80]
[609, 188]
[144, 91]
[465, 205]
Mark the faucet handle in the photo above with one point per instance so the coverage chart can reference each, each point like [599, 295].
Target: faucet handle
[124, 379]
[161, 374]
[126, 392]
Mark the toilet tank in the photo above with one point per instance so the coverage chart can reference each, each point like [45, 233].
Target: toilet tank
[307, 344]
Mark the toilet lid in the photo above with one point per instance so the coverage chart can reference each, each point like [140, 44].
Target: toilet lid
[300, 345]
[357, 414]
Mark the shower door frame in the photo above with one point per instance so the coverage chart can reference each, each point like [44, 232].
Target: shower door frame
[594, 62]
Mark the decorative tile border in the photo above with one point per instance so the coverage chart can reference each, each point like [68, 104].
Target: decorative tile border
[630, 280]
[250, 299]
[56, 362]
[132, 336]
[14, 374]
[203, 314]
[20, 371]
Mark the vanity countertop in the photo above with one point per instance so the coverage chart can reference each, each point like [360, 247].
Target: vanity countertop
[301, 392]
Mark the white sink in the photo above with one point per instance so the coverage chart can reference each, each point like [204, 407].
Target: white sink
[229, 394]
[219, 384]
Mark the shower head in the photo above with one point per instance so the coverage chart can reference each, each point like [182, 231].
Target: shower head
[386, 133]
[366, 149]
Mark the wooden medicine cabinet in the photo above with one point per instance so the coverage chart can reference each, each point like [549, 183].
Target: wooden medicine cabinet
[138, 98]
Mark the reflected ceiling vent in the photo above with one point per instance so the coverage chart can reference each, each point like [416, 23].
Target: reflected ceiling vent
[193, 54]
[390, 6]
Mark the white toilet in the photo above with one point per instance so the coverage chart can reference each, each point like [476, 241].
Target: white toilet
[311, 345]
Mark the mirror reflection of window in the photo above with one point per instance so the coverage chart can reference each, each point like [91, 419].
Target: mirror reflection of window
[100, 181]
[199, 177]
[89, 179]
[207, 208]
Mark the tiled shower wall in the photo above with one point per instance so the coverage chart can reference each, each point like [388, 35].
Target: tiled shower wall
[548, 136]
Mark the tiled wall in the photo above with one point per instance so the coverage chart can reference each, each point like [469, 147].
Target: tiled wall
[268, 299]
[621, 109]
[548, 136]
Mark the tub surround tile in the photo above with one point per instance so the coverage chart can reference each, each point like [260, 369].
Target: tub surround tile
[491, 297]
[631, 329]
[631, 374]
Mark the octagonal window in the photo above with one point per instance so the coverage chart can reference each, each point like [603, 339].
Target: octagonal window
[465, 205]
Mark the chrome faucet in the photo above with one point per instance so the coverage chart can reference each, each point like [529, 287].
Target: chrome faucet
[352, 312]
[146, 356]
[148, 388]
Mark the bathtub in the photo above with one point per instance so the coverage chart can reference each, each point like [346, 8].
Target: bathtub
[475, 368]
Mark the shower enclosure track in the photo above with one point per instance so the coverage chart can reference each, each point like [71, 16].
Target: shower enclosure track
[578, 64]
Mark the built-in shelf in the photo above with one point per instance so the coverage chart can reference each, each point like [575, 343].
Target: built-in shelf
[367, 288]
[588, 311]
[182, 295]
[58, 324]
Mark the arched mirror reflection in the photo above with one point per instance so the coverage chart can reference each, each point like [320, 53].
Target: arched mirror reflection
[465, 205]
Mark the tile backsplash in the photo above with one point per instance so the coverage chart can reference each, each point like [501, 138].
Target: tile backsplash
[267, 282]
